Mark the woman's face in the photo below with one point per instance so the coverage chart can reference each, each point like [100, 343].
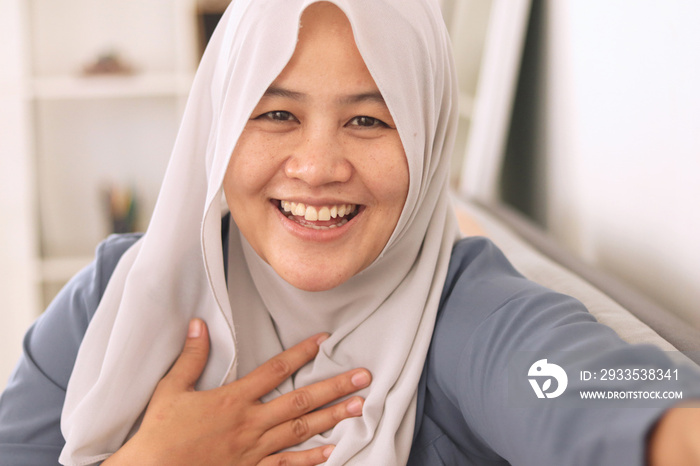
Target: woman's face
[318, 178]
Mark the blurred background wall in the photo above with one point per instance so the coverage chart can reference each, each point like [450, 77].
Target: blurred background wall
[603, 149]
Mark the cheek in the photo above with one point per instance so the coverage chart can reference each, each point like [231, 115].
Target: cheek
[390, 178]
[249, 169]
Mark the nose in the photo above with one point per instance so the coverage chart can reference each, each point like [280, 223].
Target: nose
[319, 159]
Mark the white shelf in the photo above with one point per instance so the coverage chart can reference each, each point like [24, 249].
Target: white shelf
[111, 86]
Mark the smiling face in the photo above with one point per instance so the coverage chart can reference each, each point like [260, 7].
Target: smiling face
[318, 178]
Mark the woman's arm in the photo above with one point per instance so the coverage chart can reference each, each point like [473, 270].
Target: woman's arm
[31, 405]
[493, 326]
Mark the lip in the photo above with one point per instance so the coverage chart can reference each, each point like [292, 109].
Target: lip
[311, 234]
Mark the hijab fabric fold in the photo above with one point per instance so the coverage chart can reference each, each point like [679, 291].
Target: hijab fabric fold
[381, 319]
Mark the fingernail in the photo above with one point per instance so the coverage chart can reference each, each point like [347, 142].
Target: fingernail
[322, 338]
[360, 380]
[355, 407]
[195, 329]
[328, 450]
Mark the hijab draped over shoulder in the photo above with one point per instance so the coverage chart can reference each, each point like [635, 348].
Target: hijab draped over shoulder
[382, 318]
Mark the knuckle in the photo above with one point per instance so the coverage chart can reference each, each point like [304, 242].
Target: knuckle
[339, 412]
[339, 387]
[277, 460]
[302, 400]
[231, 403]
[192, 351]
[280, 367]
[300, 427]
[310, 350]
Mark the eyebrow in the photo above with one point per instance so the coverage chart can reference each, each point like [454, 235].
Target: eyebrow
[372, 96]
[274, 91]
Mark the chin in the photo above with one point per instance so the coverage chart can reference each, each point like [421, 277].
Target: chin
[315, 281]
[312, 285]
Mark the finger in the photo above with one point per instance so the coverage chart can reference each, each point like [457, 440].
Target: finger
[189, 365]
[311, 457]
[269, 375]
[304, 427]
[303, 400]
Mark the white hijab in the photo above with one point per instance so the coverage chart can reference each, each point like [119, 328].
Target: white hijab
[381, 319]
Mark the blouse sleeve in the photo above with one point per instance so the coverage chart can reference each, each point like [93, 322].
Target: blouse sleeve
[494, 321]
[30, 406]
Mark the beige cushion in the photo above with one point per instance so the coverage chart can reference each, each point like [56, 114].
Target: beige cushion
[476, 220]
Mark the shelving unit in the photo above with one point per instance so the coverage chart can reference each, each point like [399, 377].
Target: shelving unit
[92, 132]
[71, 87]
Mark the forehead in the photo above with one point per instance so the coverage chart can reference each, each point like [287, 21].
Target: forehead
[326, 59]
[323, 16]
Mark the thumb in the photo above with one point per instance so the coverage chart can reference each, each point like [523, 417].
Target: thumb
[190, 364]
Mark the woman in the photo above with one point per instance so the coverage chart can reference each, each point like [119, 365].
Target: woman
[327, 126]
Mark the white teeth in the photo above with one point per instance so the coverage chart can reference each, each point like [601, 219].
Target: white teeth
[322, 214]
[299, 209]
[329, 227]
[311, 214]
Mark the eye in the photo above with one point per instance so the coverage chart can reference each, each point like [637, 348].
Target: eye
[277, 115]
[367, 122]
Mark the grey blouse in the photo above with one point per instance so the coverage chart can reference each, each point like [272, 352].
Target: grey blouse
[488, 313]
